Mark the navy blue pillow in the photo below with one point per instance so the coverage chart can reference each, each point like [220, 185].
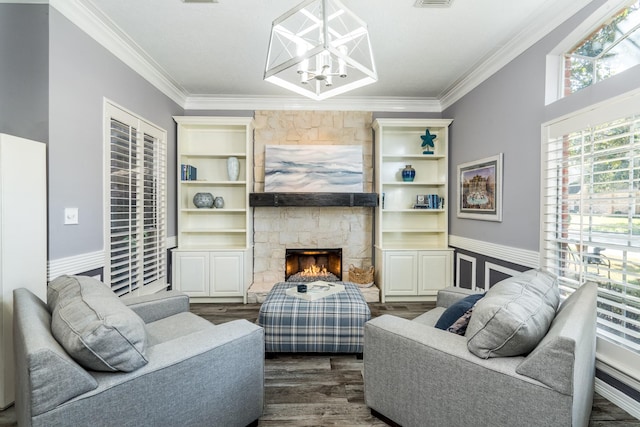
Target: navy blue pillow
[456, 310]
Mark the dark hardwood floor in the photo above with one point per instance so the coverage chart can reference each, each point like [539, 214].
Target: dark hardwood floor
[327, 390]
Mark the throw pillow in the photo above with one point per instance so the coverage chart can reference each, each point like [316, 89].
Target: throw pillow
[514, 315]
[95, 328]
[456, 310]
[460, 326]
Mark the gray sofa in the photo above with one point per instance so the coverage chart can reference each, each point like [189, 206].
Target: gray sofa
[417, 375]
[194, 373]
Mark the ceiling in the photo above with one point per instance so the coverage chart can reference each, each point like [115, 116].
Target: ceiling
[219, 49]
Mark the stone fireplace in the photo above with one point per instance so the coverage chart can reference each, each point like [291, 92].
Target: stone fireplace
[277, 229]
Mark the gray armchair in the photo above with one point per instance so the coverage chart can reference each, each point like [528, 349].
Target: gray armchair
[417, 375]
[197, 373]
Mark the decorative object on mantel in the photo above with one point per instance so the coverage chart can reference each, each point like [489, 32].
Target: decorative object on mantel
[233, 168]
[320, 49]
[480, 189]
[313, 168]
[218, 202]
[363, 277]
[203, 200]
[428, 141]
[408, 173]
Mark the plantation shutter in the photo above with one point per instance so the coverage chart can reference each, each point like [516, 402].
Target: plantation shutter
[591, 212]
[135, 236]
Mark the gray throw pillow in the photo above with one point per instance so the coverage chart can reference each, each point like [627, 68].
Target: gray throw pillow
[513, 316]
[95, 328]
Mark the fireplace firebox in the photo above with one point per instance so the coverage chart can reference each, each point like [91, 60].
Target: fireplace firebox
[308, 265]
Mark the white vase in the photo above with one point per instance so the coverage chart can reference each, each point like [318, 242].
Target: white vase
[233, 168]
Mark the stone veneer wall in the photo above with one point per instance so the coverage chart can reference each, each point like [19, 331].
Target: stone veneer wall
[276, 229]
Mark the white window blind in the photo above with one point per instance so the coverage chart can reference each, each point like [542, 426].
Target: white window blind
[591, 211]
[136, 198]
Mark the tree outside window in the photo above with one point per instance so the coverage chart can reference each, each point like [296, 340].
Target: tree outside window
[611, 49]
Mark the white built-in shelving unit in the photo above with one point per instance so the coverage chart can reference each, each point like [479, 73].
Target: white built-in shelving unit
[413, 259]
[213, 260]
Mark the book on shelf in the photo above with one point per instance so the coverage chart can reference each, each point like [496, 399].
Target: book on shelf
[429, 201]
[188, 172]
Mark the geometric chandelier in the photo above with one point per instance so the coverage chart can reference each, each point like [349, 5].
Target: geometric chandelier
[320, 49]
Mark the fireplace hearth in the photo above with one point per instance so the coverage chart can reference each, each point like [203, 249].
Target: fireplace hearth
[308, 265]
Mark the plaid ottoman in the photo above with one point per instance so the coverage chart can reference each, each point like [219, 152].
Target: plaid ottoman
[333, 324]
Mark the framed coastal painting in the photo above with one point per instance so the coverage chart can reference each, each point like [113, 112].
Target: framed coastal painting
[313, 168]
[480, 189]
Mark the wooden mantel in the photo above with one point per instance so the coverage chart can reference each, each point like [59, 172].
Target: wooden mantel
[313, 199]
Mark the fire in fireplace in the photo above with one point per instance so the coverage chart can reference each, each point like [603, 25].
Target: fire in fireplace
[308, 265]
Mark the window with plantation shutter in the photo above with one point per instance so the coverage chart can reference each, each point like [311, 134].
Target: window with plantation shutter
[591, 211]
[135, 235]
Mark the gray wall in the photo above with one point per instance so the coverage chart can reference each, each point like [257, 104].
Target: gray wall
[504, 115]
[24, 60]
[81, 74]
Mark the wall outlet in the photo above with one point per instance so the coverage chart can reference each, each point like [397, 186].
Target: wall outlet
[70, 216]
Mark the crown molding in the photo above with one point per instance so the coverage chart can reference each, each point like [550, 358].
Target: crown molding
[549, 19]
[94, 23]
[204, 102]
[90, 20]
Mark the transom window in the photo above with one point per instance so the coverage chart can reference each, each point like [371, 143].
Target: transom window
[611, 49]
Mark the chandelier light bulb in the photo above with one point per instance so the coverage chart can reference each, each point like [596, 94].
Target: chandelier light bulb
[328, 81]
[342, 65]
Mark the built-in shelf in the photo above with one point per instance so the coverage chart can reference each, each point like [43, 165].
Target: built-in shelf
[214, 258]
[412, 255]
[313, 199]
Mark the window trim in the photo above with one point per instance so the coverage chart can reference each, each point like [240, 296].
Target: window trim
[111, 110]
[554, 79]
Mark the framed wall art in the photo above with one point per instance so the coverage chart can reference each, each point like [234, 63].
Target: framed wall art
[480, 189]
[313, 168]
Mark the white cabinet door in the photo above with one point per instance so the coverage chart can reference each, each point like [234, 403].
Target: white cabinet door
[191, 273]
[401, 273]
[227, 274]
[434, 271]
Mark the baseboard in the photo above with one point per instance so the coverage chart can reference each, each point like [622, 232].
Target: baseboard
[618, 398]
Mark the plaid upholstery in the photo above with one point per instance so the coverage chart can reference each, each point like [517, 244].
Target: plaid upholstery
[333, 324]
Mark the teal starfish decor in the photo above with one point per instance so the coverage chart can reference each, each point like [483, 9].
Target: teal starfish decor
[427, 140]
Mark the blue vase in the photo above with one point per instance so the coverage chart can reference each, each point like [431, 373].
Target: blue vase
[408, 173]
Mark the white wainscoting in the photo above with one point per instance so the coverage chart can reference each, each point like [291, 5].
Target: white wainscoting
[518, 256]
[488, 266]
[77, 264]
[466, 258]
